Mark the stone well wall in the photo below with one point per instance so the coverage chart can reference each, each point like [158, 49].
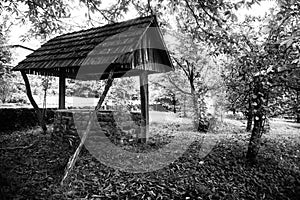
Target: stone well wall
[118, 126]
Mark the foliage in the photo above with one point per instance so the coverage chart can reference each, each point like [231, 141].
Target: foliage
[44, 16]
[162, 92]
[273, 56]
[49, 17]
[284, 48]
[83, 88]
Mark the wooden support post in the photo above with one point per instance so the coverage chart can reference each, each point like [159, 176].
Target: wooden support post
[144, 108]
[62, 92]
[33, 103]
[92, 119]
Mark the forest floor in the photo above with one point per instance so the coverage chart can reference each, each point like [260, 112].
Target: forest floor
[32, 166]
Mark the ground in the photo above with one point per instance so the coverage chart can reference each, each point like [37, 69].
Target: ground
[32, 165]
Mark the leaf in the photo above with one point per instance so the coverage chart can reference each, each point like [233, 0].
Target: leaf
[234, 17]
[227, 12]
[288, 42]
[270, 69]
[265, 29]
[295, 61]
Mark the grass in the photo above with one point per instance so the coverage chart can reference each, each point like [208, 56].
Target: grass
[52, 102]
[213, 167]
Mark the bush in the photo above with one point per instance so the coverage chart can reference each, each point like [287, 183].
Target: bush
[21, 118]
[18, 98]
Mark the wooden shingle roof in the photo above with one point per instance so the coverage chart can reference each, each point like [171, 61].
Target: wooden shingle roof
[131, 47]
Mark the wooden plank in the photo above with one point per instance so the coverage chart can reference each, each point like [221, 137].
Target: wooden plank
[33, 103]
[62, 92]
[92, 119]
[144, 93]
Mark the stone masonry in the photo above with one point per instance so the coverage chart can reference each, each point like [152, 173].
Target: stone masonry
[119, 127]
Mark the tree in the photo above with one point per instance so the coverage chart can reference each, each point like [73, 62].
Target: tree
[5, 58]
[5, 87]
[264, 58]
[242, 66]
[164, 93]
[264, 68]
[277, 59]
[194, 71]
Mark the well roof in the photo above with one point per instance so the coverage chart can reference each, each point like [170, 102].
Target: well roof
[131, 47]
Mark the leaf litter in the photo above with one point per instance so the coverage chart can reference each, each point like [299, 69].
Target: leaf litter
[34, 172]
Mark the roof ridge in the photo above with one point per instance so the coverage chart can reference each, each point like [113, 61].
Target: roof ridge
[105, 26]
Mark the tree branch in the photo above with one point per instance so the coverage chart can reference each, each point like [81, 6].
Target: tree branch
[210, 16]
[196, 19]
[181, 66]
[179, 89]
[100, 11]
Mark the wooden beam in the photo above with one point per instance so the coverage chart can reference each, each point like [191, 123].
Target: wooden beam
[33, 103]
[144, 93]
[62, 92]
[92, 119]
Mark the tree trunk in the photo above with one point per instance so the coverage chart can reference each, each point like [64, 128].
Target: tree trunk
[259, 117]
[249, 117]
[174, 103]
[184, 106]
[255, 140]
[233, 111]
[249, 122]
[196, 111]
[298, 107]
[33, 103]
